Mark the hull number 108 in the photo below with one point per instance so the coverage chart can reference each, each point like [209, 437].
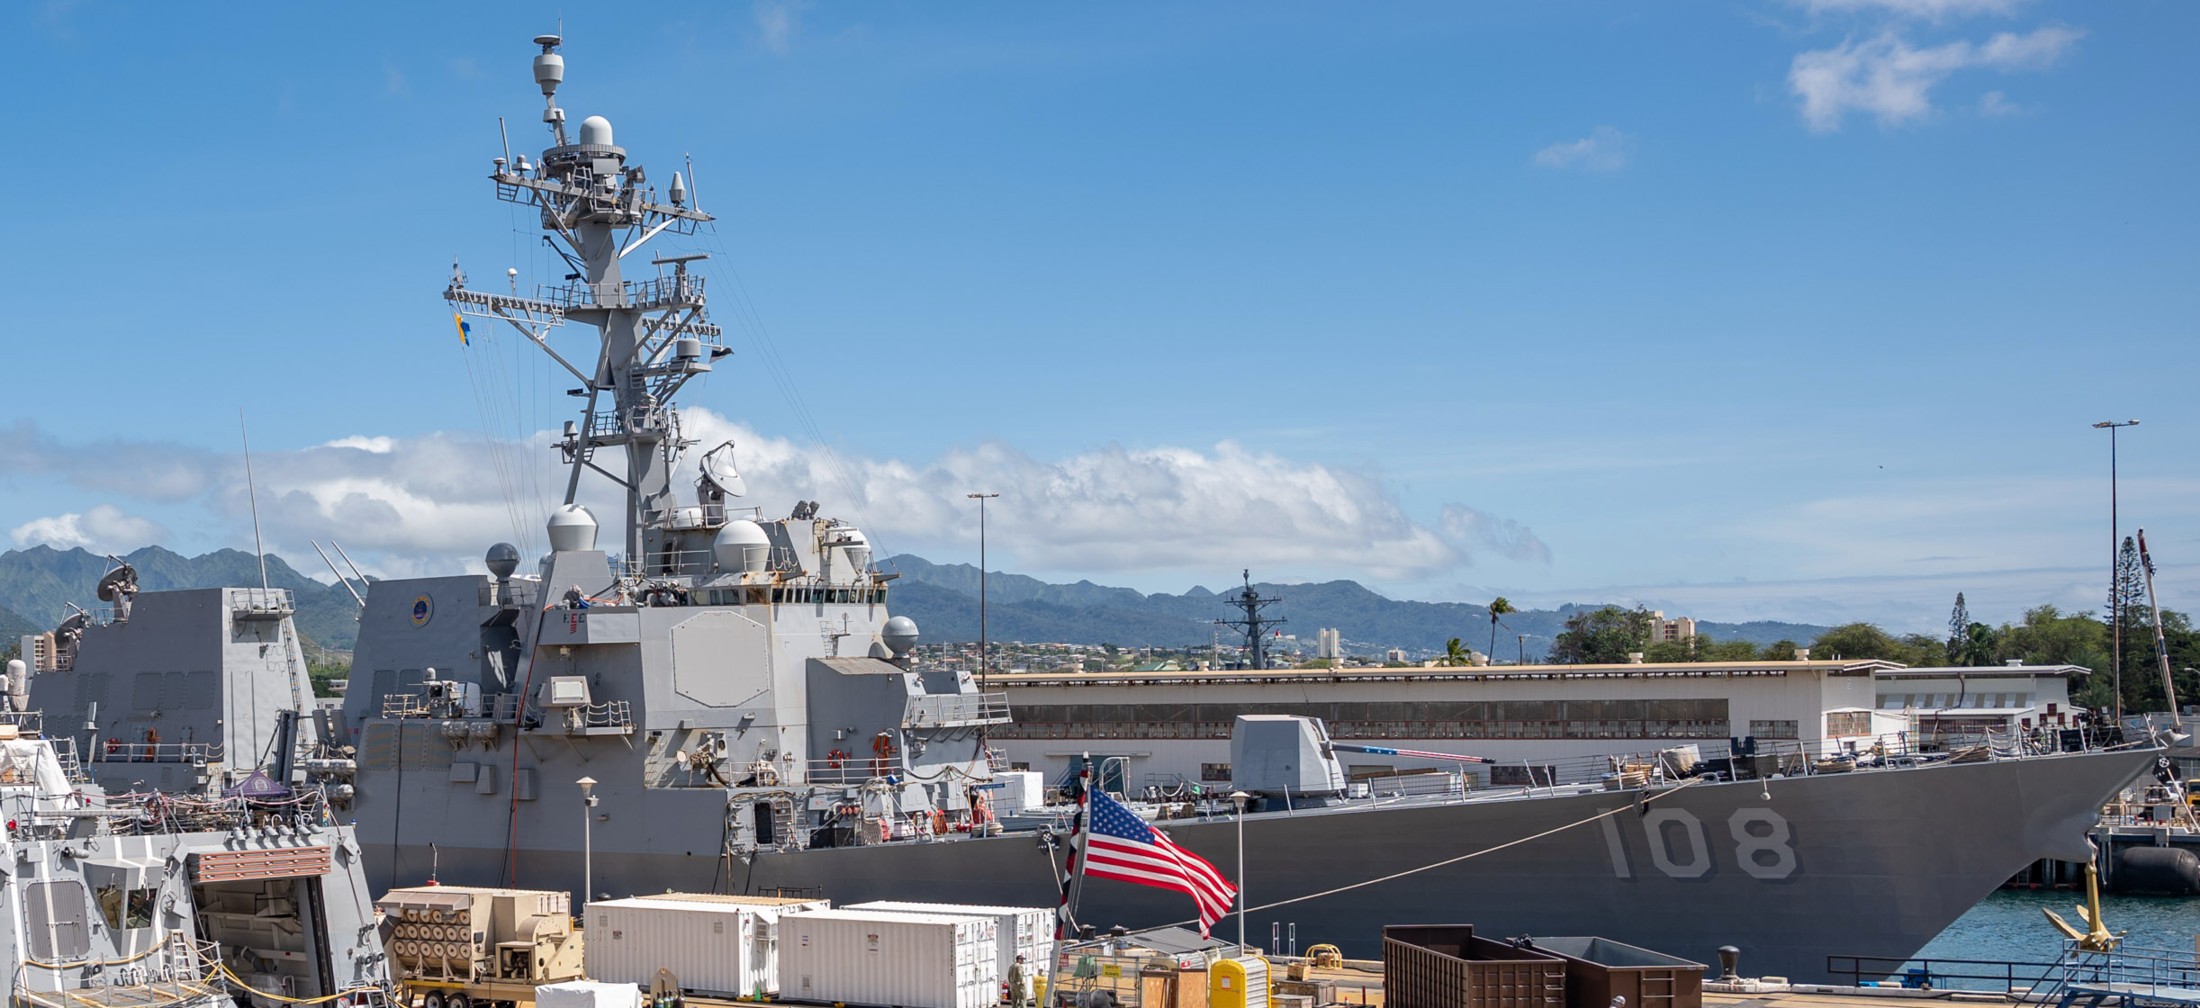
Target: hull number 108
[1677, 844]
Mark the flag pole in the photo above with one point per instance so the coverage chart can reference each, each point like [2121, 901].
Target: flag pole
[1073, 880]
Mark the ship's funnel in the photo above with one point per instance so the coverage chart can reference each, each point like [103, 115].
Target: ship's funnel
[742, 546]
[572, 529]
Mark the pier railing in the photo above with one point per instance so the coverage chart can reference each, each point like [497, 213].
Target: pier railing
[2136, 972]
[1945, 974]
[2133, 973]
[1767, 758]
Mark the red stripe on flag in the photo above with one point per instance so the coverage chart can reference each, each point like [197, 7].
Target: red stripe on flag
[1120, 846]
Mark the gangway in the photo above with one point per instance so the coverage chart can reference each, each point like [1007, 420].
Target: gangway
[2128, 977]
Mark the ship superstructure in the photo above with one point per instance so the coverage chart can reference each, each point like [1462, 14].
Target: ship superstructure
[151, 721]
[728, 676]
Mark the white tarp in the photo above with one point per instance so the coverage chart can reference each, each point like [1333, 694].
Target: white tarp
[588, 994]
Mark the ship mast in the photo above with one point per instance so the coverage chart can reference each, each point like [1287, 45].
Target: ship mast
[652, 337]
[1254, 625]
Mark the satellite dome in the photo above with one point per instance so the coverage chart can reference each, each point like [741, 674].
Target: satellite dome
[572, 528]
[503, 559]
[742, 546]
[900, 635]
[596, 130]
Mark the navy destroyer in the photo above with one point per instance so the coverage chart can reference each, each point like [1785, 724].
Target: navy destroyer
[720, 701]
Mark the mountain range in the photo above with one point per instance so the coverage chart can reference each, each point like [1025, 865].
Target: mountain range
[943, 599]
[38, 584]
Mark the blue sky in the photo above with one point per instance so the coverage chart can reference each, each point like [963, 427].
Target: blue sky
[1792, 309]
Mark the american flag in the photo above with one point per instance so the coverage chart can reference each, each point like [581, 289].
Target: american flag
[1119, 845]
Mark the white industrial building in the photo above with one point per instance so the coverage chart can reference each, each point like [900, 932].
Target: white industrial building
[1964, 701]
[1175, 726]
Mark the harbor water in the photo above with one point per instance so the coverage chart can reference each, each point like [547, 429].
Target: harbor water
[2008, 926]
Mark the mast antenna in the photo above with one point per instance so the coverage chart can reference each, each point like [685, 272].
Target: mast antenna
[1254, 625]
[340, 579]
[252, 493]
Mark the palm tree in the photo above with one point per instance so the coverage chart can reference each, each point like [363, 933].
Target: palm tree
[1456, 653]
[1499, 607]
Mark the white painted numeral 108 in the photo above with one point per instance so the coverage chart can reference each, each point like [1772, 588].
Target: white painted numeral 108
[1680, 848]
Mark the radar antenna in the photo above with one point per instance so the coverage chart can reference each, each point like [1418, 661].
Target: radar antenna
[1254, 626]
[119, 587]
[717, 475]
[651, 334]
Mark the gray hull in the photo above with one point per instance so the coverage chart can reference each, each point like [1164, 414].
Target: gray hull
[1866, 863]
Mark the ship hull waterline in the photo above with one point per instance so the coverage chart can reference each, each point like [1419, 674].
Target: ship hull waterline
[1874, 863]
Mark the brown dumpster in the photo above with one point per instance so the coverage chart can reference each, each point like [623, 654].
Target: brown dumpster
[1598, 970]
[1446, 966]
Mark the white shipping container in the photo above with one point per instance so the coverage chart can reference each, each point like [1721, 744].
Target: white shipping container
[1023, 931]
[588, 994]
[1020, 791]
[724, 946]
[872, 957]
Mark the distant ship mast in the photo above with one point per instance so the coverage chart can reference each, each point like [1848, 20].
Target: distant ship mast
[598, 209]
[1254, 625]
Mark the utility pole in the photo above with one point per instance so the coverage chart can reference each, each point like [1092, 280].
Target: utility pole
[984, 657]
[2115, 590]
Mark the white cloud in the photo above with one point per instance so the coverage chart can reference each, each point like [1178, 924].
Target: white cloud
[776, 23]
[1604, 149]
[374, 445]
[1480, 529]
[152, 470]
[102, 528]
[431, 504]
[1927, 10]
[1112, 509]
[1892, 80]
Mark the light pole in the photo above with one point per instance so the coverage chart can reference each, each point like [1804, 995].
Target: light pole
[1523, 644]
[983, 657]
[1239, 798]
[588, 835]
[2115, 590]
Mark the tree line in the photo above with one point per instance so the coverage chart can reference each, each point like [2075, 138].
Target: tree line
[2045, 636]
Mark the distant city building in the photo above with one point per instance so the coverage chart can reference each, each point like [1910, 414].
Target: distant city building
[1328, 643]
[1679, 628]
[1395, 655]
